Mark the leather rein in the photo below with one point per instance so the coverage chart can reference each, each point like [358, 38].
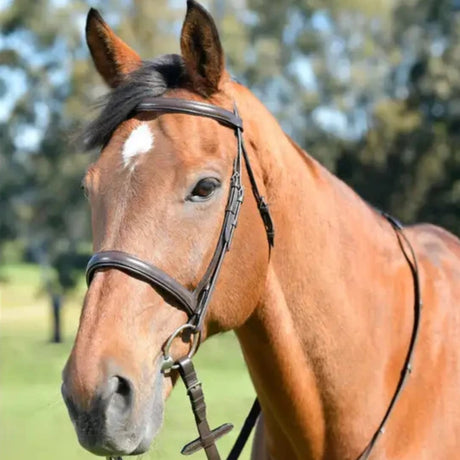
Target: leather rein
[195, 303]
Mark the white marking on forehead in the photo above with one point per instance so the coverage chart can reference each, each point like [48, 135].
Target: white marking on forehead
[140, 141]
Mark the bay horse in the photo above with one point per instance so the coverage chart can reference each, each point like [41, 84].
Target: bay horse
[325, 317]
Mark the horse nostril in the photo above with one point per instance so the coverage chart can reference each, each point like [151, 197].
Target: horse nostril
[120, 391]
[124, 387]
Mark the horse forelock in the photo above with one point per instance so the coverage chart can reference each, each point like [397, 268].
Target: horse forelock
[152, 79]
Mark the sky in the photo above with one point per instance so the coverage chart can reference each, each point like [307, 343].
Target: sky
[13, 82]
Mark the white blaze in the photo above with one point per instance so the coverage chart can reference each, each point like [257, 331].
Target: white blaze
[140, 141]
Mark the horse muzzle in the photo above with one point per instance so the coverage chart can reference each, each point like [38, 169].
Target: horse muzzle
[111, 425]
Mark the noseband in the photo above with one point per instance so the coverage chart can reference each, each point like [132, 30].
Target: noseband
[195, 303]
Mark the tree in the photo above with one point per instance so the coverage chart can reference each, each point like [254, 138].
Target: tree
[371, 90]
[49, 69]
[410, 151]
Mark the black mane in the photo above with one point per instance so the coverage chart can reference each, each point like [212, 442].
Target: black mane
[153, 78]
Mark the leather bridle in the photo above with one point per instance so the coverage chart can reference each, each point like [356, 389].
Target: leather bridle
[195, 303]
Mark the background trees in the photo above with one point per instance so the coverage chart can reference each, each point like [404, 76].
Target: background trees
[371, 89]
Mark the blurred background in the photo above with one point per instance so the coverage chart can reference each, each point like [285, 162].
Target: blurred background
[370, 89]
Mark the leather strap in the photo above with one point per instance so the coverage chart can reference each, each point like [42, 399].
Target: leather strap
[217, 433]
[200, 109]
[408, 367]
[207, 437]
[206, 287]
[143, 270]
[261, 203]
[245, 432]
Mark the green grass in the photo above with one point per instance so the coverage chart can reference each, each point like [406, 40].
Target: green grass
[33, 419]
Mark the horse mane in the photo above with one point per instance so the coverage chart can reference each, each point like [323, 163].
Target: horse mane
[153, 78]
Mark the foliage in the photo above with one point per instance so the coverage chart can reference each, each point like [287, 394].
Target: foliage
[371, 89]
[41, 203]
[41, 158]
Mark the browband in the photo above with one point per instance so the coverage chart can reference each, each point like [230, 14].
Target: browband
[200, 109]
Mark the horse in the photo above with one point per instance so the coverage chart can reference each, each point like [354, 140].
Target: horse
[326, 310]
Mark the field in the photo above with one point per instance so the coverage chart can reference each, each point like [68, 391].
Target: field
[33, 419]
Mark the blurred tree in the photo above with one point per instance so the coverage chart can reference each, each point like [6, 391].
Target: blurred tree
[408, 160]
[372, 90]
[40, 199]
[47, 85]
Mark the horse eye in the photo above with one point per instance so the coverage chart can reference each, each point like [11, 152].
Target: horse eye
[204, 189]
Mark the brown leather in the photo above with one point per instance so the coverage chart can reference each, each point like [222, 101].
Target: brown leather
[143, 270]
[418, 304]
[245, 431]
[207, 437]
[201, 109]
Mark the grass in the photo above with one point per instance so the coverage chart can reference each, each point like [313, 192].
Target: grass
[33, 419]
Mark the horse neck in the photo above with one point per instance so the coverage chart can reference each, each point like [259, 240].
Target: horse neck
[325, 345]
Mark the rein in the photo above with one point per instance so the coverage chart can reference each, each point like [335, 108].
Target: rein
[418, 304]
[195, 303]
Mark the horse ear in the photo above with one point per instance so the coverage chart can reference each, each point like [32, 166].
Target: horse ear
[113, 57]
[201, 49]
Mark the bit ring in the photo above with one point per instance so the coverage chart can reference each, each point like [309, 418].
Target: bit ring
[168, 362]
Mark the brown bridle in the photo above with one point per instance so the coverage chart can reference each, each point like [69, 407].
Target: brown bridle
[195, 303]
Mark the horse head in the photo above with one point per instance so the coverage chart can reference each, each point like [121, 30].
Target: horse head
[159, 191]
